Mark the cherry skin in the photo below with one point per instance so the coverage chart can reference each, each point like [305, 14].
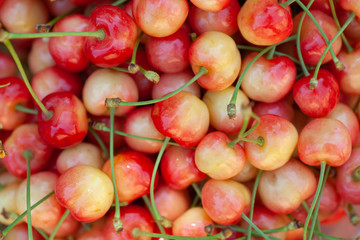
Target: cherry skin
[352, 31]
[223, 61]
[39, 56]
[351, 6]
[160, 18]
[247, 173]
[7, 203]
[268, 80]
[10, 96]
[68, 227]
[264, 22]
[7, 66]
[320, 101]
[26, 138]
[324, 139]
[20, 231]
[224, 20]
[58, 8]
[178, 167]
[71, 58]
[212, 6]
[89, 181]
[280, 108]
[322, 5]
[68, 124]
[175, 117]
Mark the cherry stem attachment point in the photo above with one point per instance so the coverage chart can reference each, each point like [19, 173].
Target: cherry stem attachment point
[356, 174]
[252, 204]
[58, 225]
[354, 218]
[28, 155]
[133, 67]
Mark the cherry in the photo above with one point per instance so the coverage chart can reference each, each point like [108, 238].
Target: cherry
[351, 31]
[68, 124]
[351, 5]
[95, 233]
[264, 22]
[247, 173]
[322, 5]
[58, 8]
[280, 108]
[212, 6]
[82, 2]
[7, 203]
[7, 66]
[68, 227]
[20, 231]
[119, 40]
[39, 56]
[80, 181]
[223, 62]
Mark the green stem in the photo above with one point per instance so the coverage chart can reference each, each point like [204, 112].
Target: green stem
[356, 174]
[28, 155]
[17, 61]
[259, 141]
[166, 223]
[252, 204]
[270, 54]
[133, 67]
[343, 37]
[257, 122]
[62, 219]
[136, 232]
[313, 80]
[197, 189]
[21, 108]
[231, 108]
[201, 72]
[119, 2]
[287, 3]
[100, 142]
[195, 201]
[148, 205]
[18, 219]
[99, 34]
[5, 85]
[262, 234]
[316, 197]
[2, 186]
[240, 135]
[125, 70]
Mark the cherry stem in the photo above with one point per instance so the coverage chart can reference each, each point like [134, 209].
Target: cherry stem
[62, 219]
[201, 72]
[260, 140]
[195, 201]
[116, 221]
[316, 212]
[231, 108]
[270, 54]
[125, 70]
[337, 62]
[119, 2]
[148, 205]
[343, 37]
[252, 204]
[306, 207]
[100, 142]
[21, 108]
[262, 234]
[2, 186]
[150, 75]
[133, 67]
[42, 233]
[313, 80]
[19, 218]
[165, 222]
[17, 61]
[196, 189]
[354, 218]
[316, 197]
[356, 174]
[28, 155]
[287, 3]
[3, 152]
[5, 85]
[136, 232]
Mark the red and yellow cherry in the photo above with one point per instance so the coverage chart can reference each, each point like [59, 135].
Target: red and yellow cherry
[223, 62]
[120, 36]
[192, 223]
[321, 100]
[95, 233]
[7, 203]
[20, 231]
[324, 139]
[225, 200]
[80, 181]
[107, 83]
[280, 108]
[68, 124]
[7, 66]
[280, 138]
[264, 22]
[247, 173]
[10, 96]
[212, 6]
[178, 167]
[224, 20]
[68, 227]
[218, 160]
[160, 18]
[132, 173]
[183, 117]
[282, 190]
[351, 6]
[39, 56]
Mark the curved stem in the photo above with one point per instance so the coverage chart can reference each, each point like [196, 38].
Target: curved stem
[119, 2]
[148, 205]
[270, 54]
[252, 204]
[99, 34]
[259, 140]
[197, 189]
[262, 234]
[28, 155]
[5, 85]
[42, 233]
[100, 142]
[62, 219]
[240, 135]
[201, 72]
[166, 223]
[316, 197]
[17, 61]
[287, 3]
[257, 122]
[343, 37]
[356, 174]
[21, 108]
[133, 67]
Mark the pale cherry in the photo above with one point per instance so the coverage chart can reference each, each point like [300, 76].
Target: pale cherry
[7, 203]
[211, 5]
[247, 173]
[39, 56]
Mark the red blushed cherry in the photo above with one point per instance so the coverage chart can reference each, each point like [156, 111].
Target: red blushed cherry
[320, 101]
[178, 167]
[10, 96]
[352, 31]
[225, 200]
[80, 181]
[224, 20]
[68, 227]
[351, 6]
[71, 58]
[132, 216]
[120, 36]
[68, 124]
[20, 231]
[268, 80]
[347, 178]
[133, 172]
[95, 233]
[169, 54]
[26, 138]
[58, 8]
[212, 5]
[324, 139]
[218, 160]
[39, 56]
[280, 108]
[264, 22]
[223, 62]
[160, 18]
[183, 117]
[7, 66]
[54, 79]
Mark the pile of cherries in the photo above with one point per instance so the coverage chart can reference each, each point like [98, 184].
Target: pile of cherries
[176, 119]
